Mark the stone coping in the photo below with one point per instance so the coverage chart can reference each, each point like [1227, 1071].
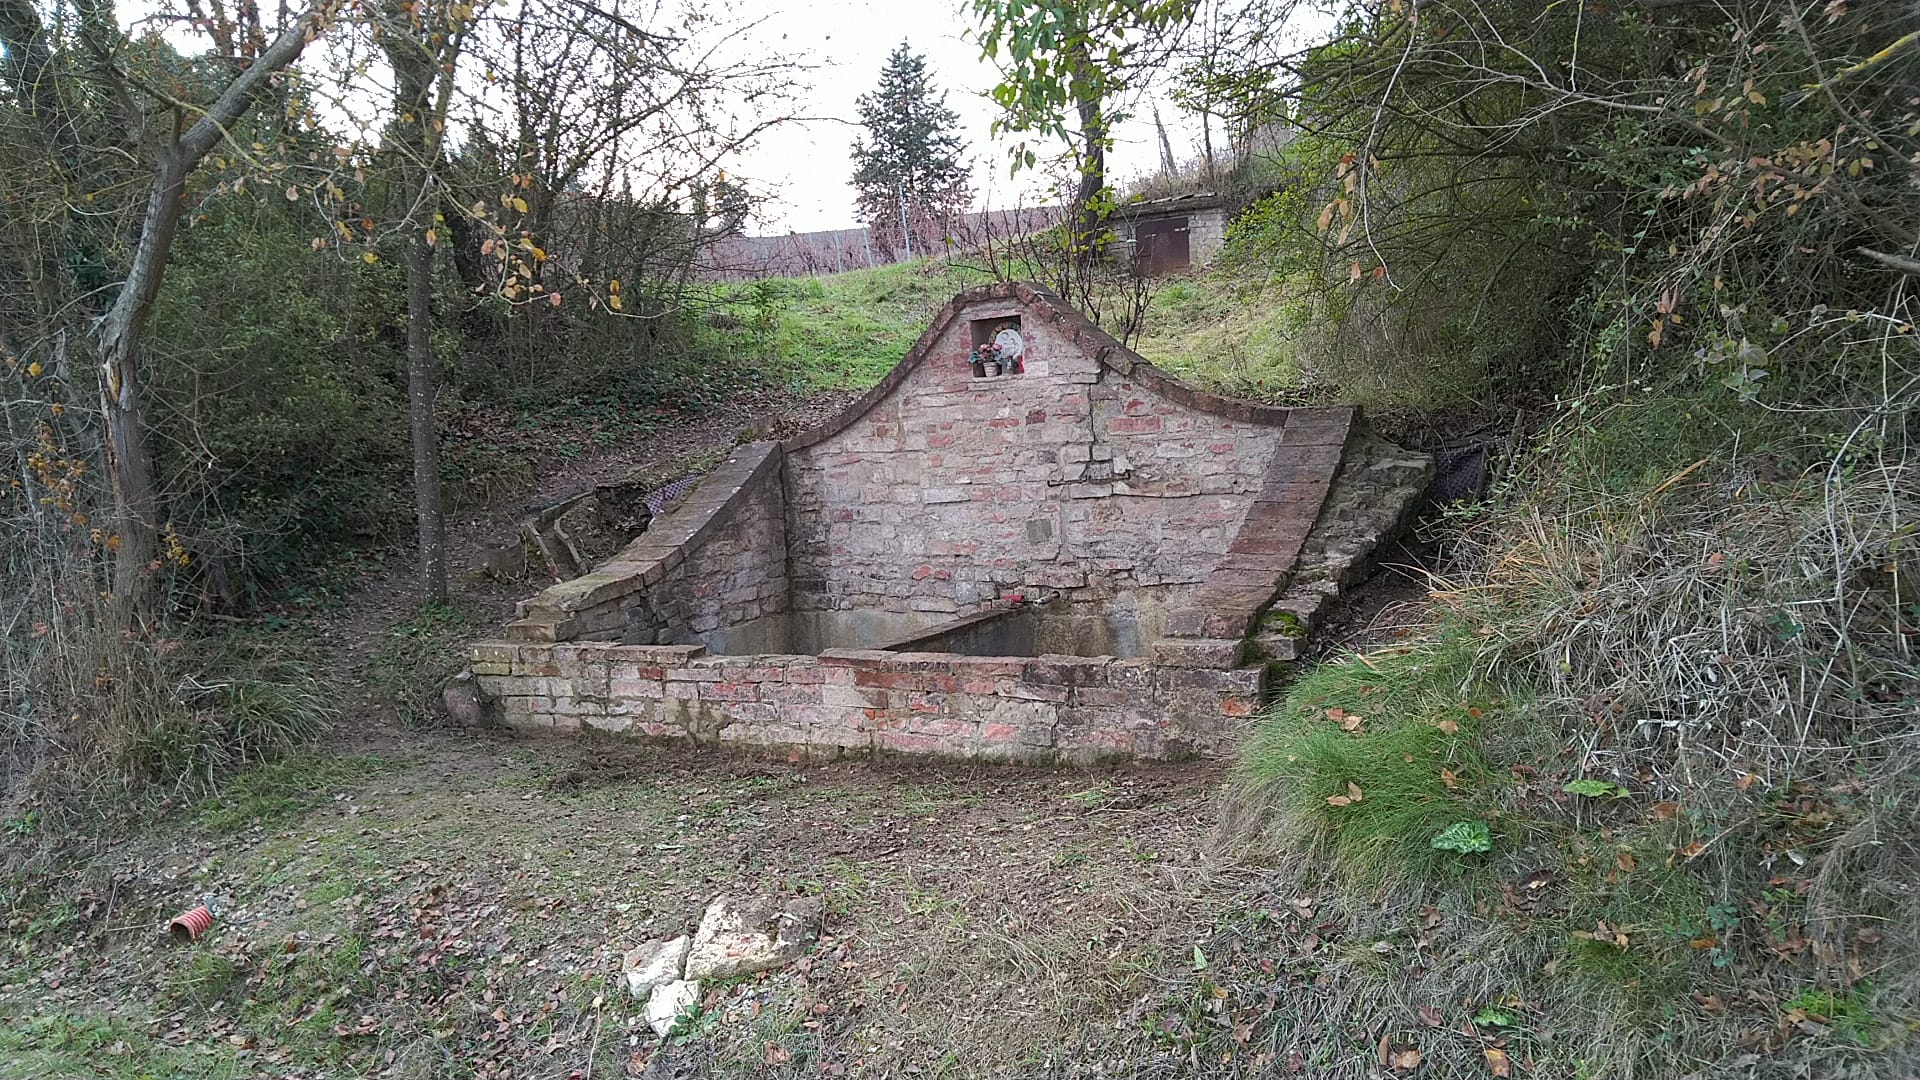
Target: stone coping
[1036, 710]
[905, 642]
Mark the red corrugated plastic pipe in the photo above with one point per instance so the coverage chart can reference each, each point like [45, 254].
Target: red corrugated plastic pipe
[190, 924]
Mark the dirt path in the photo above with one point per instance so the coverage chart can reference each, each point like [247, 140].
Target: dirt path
[460, 908]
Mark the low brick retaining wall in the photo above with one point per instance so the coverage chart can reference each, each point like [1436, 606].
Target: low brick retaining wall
[853, 701]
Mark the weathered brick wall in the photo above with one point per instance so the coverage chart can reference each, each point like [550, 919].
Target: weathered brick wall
[1047, 709]
[948, 490]
[714, 563]
[1206, 234]
[1154, 522]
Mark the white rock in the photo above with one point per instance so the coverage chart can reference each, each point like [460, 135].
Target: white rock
[669, 1002]
[741, 935]
[654, 963]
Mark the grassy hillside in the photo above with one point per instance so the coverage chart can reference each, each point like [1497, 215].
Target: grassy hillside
[844, 331]
[1227, 334]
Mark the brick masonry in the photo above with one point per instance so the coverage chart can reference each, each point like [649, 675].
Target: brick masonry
[849, 701]
[1090, 479]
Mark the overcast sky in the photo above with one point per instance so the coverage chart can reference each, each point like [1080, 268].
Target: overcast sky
[808, 165]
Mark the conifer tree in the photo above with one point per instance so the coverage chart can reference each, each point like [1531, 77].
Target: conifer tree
[912, 155]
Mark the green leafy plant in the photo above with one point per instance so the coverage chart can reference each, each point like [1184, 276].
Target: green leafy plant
[1596, 789]
[1465, 837]
[1491, 1016]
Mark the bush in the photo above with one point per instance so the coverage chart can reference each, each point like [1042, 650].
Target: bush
[286, 432]
[180, 720]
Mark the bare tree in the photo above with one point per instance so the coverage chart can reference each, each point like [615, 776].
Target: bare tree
[53, 78]
[422, 42]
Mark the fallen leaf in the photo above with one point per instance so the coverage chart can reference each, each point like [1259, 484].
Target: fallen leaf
[1693, 850]
[1449, 778]
[1430, 1016]
[777, 1054]
[1404, 1059]
[1497, 1061]
[1352, 796]
[1661, 811]
[1352, 723]
[1625, 861]
[1448, 727]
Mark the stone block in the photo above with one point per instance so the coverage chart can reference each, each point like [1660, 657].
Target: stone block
[1021, 690]
[1199, 652]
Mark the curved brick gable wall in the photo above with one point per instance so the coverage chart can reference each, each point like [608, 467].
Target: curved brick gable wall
[950, 490]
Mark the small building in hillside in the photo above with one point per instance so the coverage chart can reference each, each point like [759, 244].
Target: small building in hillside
[1165, 236]
[1026, 543]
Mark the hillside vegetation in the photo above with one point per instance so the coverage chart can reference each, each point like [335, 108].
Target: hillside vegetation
[1641, 801]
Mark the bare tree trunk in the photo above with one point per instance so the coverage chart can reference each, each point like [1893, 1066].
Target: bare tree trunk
[1089, 215]
[129, 457]
[1206, 141]
[421, 393]
[422, 43]
[1167, 165]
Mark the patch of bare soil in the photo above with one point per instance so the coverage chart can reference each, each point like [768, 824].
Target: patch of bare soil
[460, 909]
[1382, 610]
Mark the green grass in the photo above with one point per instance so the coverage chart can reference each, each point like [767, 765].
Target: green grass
[844, 331]
[1412, 756]
[1844, 1012]
[279, 790]
[1228, 334]
[63, 1045]
[415, 657]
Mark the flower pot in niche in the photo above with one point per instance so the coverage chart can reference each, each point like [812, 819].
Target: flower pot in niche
[991, 367]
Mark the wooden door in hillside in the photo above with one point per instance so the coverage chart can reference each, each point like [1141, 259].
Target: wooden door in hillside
[1160, 246]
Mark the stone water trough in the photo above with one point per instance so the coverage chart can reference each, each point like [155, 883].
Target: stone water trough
[1079, 558]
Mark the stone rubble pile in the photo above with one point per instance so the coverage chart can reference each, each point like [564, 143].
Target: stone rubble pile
[736, 936]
